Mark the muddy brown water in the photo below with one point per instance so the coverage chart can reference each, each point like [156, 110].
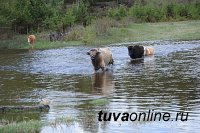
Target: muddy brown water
[169, 81]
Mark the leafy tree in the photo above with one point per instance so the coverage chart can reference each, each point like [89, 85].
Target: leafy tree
[39, 11]
[5, 18]
[81, 12]
[69, 18]
[22, 15]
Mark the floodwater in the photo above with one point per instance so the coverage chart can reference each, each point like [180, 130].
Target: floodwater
[169, 82]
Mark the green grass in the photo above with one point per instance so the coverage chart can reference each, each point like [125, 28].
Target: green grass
[33, 126]
[185, 30]
[20, 42]
[58, 44]
[22, 127]
[134, 32]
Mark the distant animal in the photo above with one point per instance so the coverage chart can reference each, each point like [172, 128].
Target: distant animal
[55, 36]
[31, 40]
[148, 51]
[139, 51]
[100, 57]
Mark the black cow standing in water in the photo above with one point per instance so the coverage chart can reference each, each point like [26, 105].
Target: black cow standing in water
[136, 51]
[139, 51]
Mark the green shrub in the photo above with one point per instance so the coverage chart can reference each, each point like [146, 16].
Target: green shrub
[125, 22]
[88, 36]
[146, 13]
[118, 13]
[173, 11]
[102, 26]
[194, 11]
[76, 34]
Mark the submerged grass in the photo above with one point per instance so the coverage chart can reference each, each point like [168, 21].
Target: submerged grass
[132, 32]
[62, 120]
[99, 102]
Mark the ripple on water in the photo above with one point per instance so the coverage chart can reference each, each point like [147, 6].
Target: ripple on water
[167, 81]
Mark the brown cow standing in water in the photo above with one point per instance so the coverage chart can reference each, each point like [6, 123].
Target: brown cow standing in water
[100, 57]
[31, 40]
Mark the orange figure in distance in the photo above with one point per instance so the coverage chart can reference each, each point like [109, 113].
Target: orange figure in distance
[31, 40]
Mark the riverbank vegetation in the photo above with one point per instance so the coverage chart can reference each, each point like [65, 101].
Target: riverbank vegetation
[133, 32]
[96, 22]
[33, 126]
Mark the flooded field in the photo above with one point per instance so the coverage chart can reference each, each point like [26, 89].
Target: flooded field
[169, 81]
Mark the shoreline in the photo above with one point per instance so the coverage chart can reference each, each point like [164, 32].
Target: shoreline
[132, 34]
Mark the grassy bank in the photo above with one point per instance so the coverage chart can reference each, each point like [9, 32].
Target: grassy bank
[132, 32]
[185, 30]
[20, 42]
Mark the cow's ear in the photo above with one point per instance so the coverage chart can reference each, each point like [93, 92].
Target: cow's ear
[88, 53]
[98, 51]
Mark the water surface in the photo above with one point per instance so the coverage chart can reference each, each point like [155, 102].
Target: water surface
[169, 81]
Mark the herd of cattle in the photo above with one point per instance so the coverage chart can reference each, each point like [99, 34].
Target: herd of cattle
[102, 57]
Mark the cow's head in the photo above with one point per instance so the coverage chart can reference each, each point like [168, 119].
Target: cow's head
[93, 53]
[135, 51]
[132, 49]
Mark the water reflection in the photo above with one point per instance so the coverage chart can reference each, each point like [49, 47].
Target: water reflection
[147, 62]
[103, 82]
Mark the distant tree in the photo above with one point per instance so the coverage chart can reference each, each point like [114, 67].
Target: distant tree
[81, 12]
[39, 11]
[5, 13]
[22, 16]
[69, 18]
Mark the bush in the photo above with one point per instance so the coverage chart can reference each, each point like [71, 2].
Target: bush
[146, 13]
[76, 34]
[118, 13]
[173, 11]
[88, 36]
[194, 11]
[102, 26]
[125, 22]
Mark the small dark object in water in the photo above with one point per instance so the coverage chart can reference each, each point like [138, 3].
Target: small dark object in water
[43, 106]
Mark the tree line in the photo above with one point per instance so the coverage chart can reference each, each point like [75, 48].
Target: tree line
[25, 16]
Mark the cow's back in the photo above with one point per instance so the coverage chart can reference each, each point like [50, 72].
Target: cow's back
[149, 51]
[106, 55]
